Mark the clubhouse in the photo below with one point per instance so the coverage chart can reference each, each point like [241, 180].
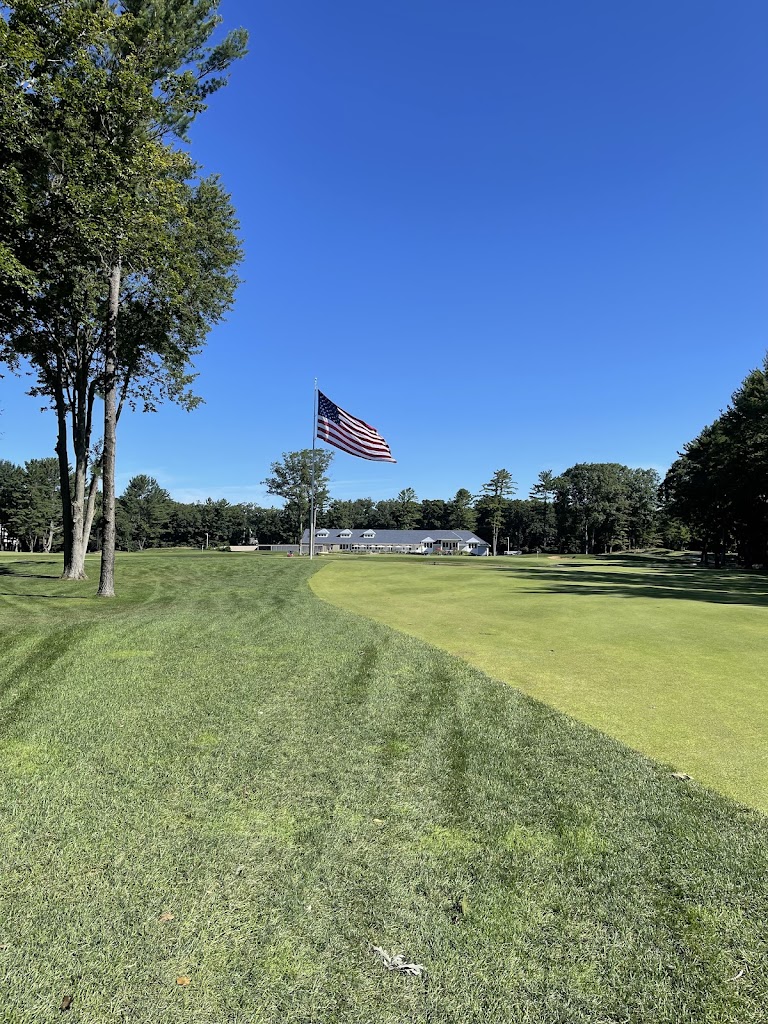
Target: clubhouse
[401, 542]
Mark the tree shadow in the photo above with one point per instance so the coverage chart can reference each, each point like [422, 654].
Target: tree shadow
[715, 586]
[10, 570]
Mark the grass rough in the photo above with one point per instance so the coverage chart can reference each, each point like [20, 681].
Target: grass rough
[295, 784]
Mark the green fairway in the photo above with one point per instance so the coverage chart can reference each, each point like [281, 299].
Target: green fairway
[672, 660]
[218, 779]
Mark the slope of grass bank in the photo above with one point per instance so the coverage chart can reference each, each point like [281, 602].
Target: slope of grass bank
[667, 658]
[218, 779]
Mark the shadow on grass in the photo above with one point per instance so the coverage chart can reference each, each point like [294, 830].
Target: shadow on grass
[5, 571]
[12, 572]
[715, 586]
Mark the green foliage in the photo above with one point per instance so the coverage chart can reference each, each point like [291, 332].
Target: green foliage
[292, 480]
[543, 492]
[30, 503]
[494, 502]
[93, 191]
[11, 487]
[433, 514]
[461, 513]
[718, 488]
[142, 512]
[406, 509]
[602, 506]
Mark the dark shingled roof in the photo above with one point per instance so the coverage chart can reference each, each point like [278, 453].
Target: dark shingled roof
[393, 536]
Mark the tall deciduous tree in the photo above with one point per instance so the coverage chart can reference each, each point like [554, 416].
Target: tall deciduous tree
[291, 480]
[116, 257]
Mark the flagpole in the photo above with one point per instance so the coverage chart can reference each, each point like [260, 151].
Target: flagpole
[312, 486]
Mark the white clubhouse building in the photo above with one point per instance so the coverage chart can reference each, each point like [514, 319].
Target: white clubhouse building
[396, 542]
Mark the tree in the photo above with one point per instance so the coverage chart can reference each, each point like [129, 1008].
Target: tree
[338, 515]
[494, 500]
[642, 503]
[384, 515]
[433, 514]
[291, 480]
[30, 505]
[461, 513]
[718, 487]
[543, 491]
[108, 220]
[144, 507]
[406, 509]
[521, 523]
[11, 490]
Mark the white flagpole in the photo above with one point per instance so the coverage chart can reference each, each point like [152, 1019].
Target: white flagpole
[312, 487]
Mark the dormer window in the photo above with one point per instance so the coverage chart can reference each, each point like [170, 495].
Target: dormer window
[321, 533]
[345, 533]
[369, 535]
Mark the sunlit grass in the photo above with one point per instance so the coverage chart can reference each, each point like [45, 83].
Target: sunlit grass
[217, 777]
[669, 658]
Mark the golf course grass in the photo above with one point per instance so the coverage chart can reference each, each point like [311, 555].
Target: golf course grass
[669, 658]
[219, 793]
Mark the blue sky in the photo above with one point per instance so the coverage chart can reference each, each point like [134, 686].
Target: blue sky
[508, 235]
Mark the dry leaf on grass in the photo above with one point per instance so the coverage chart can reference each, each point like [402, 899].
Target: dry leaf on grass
[167, 916]
[66, 1003]
[398, 963]
[183, 980]
[680, 775]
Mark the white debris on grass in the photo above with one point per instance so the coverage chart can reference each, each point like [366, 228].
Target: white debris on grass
[399, 963]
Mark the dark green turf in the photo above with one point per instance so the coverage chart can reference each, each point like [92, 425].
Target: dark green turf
[296, 785]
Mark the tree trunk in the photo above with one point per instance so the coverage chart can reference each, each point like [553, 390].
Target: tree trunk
[76, 527]
[66, 495]
[90, 508]
[107, 575]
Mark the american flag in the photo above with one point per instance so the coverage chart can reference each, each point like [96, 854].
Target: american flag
[347, 432]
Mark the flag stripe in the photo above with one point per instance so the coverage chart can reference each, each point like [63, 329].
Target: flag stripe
[357, 447]
[330, 430]
[350, 434]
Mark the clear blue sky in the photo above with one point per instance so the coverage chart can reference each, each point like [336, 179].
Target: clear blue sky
[507, 234]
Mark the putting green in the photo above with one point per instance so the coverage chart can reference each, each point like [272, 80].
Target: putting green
[670, 659]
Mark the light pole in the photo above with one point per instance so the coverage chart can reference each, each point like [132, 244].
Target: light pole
[507, 540]
[206, 540]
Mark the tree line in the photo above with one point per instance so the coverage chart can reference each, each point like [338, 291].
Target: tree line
[588, 508]
[713, 499]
